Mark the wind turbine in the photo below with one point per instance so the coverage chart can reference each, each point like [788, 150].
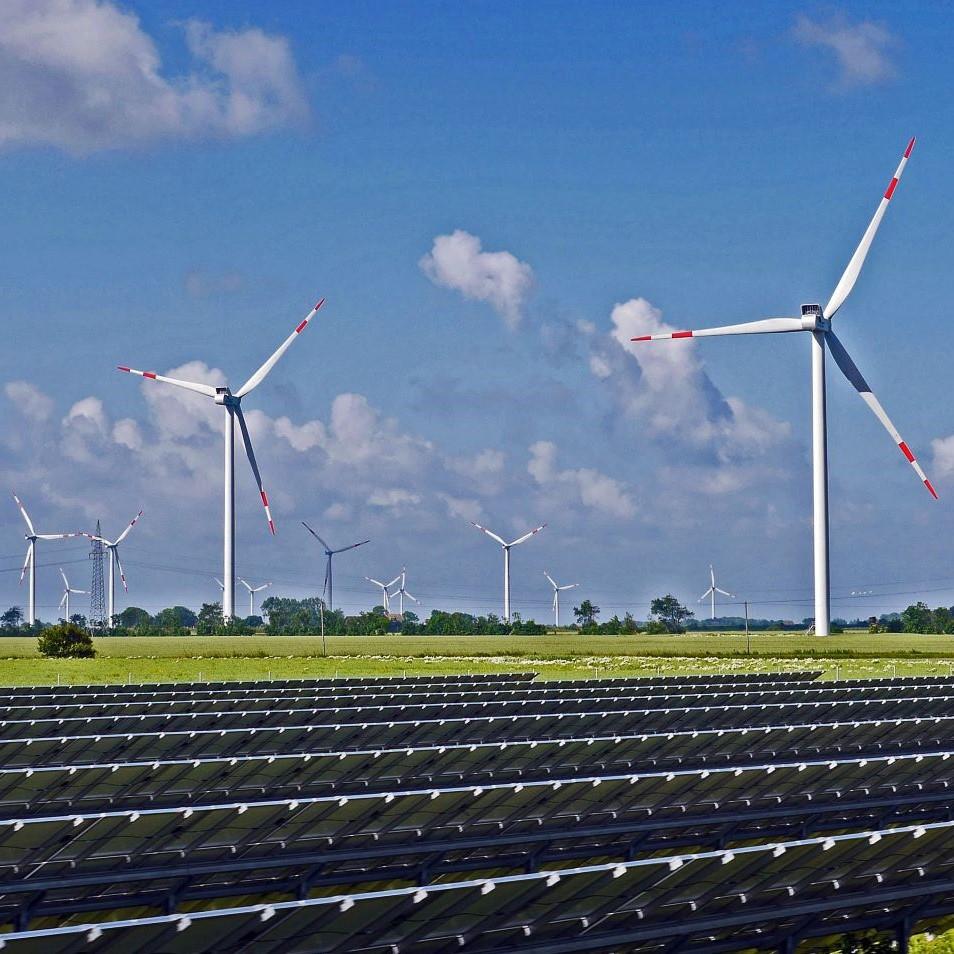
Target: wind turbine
[31, 536]
[556, 597]
[402, 590]
[252, 590]
[112, 548]
[67, 589]
[711, 592]
[506, 549]
[818, 322]
[385, 595]
[329, 553]
[232, 404]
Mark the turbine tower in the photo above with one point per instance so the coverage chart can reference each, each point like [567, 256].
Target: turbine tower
[329, 553]
[31, 536]
[67, 589]
[402, 590]
[112, 550]
[385, 595]
[506, 550]
[818, 322]
[232, 404]
[556, 597]
[711, 592]
[252, 590]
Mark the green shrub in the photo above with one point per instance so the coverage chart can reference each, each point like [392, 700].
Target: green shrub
[66, 641]
[656, 628]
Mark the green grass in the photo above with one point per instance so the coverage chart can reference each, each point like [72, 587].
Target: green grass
[172, 659]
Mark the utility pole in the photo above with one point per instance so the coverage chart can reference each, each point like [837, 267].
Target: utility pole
[748, 639]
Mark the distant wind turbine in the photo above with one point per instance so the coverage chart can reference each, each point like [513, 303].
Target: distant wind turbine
[402, 590]
[818, 322]
[329, 553]
[31, 536]
[112, 548]
[711, 592]
[385, 595]
[67, 589]
[556, 597]
[252, 590]
[506, 549]
[232, 404]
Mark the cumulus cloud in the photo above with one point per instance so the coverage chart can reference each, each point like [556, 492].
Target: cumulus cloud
[82, 75]
[943, 448]
[861, 49]
[593, 489]
[394, 498]
[456, 261]
[30, 401]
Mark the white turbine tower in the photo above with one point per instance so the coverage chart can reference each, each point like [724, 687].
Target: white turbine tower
[556, 597]
[252, 590]
[818, 322]
[329, 553]
[711, 592]
[112, 548]
[31, 536]
[402, 590]
[67, 589]
[385, 595]
[232, 404]
[506, 550]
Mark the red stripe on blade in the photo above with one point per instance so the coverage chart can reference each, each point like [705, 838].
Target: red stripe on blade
[642, 338]
[120, 367]
[149, 374]
[301, 327]
[906, 451]
[320, 303]
[271, 526]
[682, 334]
[907, 152]
[264, 499]
[891, 187]
[930, 487]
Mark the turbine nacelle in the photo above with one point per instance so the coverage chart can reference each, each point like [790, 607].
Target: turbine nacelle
[813, 319]
[225, 398]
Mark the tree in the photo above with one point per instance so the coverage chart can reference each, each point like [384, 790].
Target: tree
[132, 618]
[65, 641]
[586, 613]
[174, 620]
[12, 618]
[917, 619]
[670, 612]
[210, 620]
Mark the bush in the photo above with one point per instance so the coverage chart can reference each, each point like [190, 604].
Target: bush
[655, 628]
[66, 641]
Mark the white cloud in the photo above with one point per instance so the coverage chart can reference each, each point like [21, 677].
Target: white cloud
[84, 76]
[393, 498]
[462, 508]
[860, 49]
[126, 432]
[499, 278]
[31, 402]
[593, 489]
[943, 448]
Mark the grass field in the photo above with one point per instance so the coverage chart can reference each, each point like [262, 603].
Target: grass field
[162, 659]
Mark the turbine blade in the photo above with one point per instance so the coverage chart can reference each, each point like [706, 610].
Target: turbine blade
[568, 586]
[245, 584]
[490, 533]
[850, 276]
[221, 584]
[66, 582]
[376, 582]
[324, 589]
[316, 536]
[765, 326]
[550, 578]
[408, 595]
[119, 565]
[851, 372]
[256, 379]
[527, 536]
[389, 585]
[125, 532]
[63, 599]
[57, 536]
[353, 545]
[26, 563]
[251, 459]
[205, 389]
[26, 516]
[725, 593]
[704, 595]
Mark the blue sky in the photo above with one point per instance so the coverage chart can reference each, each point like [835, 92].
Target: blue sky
[182, 180]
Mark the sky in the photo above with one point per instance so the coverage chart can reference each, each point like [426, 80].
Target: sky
[492, 198]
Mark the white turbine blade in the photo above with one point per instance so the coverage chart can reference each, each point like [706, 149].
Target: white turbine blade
[705, 595]
[221, 584]
[553, 582]
[568, 586]
[851, 372]
[26, 563]
[264, 586]
[57, 536]
[848, 279]
[125, 532]
[725, 593]
[245, 585]
[26, 516]
[256, 379]
[315, 535]
[491, 534]
[377, 582]
[66, 582]
[353, 545]
[251, 459]
[63, 599]
[119, 565]
[765, 326]
[389, 585]
[83, 592]
[408, 595]
[711, 575]
[527, 536]
[205, 389]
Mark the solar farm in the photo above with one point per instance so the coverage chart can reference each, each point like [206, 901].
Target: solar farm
[475, 813]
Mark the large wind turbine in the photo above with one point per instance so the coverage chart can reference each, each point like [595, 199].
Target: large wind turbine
[556, 597]
[818, 322]
[31, 536]
[112, 548]
[385, 595]
[252, 590]
[232, 403]
[506, 550]
[402, 590]
[711, 592]
[65, 599]
[329, 553]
